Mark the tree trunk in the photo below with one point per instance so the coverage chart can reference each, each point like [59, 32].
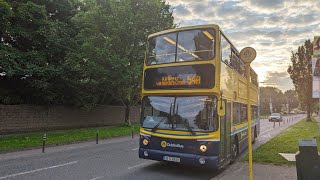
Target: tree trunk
[127, 114]
[308, 112]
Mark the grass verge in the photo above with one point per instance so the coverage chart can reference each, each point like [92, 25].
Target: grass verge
[33, 140]
[285, 142]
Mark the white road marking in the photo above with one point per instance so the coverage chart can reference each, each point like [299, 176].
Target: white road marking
[266, 136]
[36, 170]
[265, 131]
[137, 165]
[97, 178]
[134, 149]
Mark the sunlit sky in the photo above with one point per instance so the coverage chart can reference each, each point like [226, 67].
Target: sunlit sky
[274, 28]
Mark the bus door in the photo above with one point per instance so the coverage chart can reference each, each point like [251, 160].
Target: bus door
[225, 135]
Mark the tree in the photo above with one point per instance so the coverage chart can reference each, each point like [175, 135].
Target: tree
[301, 74]
[291, 98]
[111, 45]
[275, 95]
[35, 39]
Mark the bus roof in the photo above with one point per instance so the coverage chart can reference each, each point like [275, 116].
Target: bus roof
[182, 29]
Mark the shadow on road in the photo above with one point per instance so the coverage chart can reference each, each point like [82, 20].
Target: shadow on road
[177, 171]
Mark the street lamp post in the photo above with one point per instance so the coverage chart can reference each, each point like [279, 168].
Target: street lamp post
[248, 54]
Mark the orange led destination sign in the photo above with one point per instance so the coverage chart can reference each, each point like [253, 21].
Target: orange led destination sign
[197, 76]
[179, 81]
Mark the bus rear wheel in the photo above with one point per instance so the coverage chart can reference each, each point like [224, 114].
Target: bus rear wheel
[254, 136]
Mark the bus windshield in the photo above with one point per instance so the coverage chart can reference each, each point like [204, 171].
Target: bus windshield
[190, 45]
[193, 113]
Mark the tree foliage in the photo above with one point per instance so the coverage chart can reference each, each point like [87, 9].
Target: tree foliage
[76, 52]
[111, 45]
[301, 74]
[278, 99]
[35, 39]
[292, 99]
[272, 94]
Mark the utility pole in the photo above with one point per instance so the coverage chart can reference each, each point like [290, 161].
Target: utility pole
[270, 105]
[287, 105]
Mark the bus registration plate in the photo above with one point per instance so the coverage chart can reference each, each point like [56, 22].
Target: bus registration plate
[173, 159]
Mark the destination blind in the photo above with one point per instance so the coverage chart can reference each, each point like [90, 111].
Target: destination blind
[180, 77]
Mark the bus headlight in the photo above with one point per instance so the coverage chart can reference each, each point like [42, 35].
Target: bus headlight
[203, 148]
[145, 142]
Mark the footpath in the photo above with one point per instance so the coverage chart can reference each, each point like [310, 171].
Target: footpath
[240, 170]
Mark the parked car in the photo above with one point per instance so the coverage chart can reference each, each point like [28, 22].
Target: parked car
[275, 117]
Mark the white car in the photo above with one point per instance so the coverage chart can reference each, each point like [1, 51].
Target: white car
[275, 117]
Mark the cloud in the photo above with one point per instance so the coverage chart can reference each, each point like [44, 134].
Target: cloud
[280, 80]
[269, 4]
[182, 10]
[273, 27]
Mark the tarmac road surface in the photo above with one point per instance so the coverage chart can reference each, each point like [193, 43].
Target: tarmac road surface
[111, 159]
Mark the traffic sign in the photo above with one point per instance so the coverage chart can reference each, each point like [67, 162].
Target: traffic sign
[248, 54]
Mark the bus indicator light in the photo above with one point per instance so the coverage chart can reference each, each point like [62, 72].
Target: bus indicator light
[202, 161]
[145, 153]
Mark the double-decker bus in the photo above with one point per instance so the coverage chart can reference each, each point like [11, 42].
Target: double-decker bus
[194, 96]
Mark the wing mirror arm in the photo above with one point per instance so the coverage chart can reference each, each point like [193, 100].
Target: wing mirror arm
[221, 106]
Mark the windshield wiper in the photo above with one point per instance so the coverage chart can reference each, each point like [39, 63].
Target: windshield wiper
[158, 124]
[186, 124]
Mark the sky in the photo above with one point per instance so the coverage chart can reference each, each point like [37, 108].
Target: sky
[274, 28]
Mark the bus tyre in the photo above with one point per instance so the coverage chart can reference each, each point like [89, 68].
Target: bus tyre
[234, 149]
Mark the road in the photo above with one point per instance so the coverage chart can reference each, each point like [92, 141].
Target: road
[111, 159]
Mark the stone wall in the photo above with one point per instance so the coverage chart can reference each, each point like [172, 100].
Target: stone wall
[22, 118]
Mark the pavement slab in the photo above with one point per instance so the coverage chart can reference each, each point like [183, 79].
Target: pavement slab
[240, 171]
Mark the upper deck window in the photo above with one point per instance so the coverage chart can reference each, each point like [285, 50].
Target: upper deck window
[190, 45]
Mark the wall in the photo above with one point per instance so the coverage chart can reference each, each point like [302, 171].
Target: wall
[21, 118]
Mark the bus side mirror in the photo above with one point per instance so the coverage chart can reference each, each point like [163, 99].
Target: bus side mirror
[221, 108]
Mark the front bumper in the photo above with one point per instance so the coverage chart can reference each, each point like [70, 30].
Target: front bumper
[186, 159]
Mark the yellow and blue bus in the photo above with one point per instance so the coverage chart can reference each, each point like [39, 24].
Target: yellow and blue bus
[194, 98]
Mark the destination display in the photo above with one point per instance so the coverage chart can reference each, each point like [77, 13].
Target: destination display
[180, 77]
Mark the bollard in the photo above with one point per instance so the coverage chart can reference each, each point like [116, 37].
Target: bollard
[44, 138]
[132, 130]
[279, 122]
[274, 124]
[97, 136]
